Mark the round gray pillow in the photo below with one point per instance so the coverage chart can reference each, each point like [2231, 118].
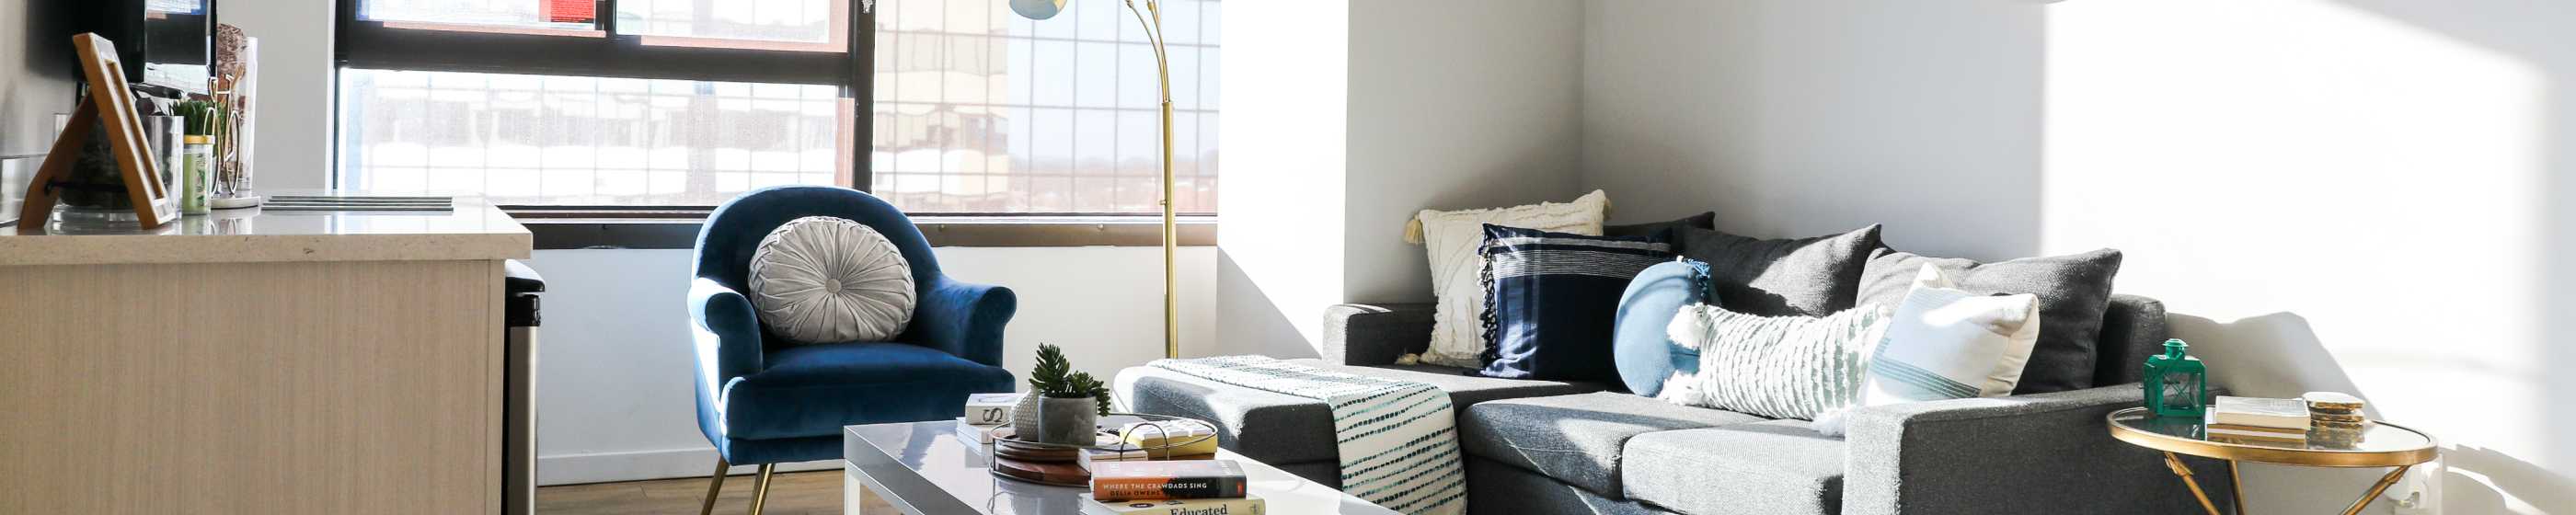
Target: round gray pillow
[820, 279]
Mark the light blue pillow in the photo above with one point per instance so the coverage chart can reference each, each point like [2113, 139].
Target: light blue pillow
[1643, 354]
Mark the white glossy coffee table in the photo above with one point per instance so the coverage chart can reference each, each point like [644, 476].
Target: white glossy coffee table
[923, 468]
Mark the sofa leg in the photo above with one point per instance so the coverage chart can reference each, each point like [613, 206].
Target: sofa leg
[715, 485]
[760, 488]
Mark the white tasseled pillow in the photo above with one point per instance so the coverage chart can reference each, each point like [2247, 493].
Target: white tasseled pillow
[820, 279]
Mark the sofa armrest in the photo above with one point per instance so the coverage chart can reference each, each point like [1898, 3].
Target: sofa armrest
[727, 331]
[1366, 334]
[964, 319]
[2039, 453]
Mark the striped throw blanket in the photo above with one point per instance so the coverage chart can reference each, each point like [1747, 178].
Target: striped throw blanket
[1399, 441]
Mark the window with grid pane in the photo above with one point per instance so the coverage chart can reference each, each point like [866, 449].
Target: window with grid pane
[686, 103]
[978, 110]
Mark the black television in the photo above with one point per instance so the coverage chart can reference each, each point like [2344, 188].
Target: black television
[168, 45]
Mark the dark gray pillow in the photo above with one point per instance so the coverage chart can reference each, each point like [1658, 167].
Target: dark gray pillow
[1656, 230]
[1796, 277]
[2074, 290]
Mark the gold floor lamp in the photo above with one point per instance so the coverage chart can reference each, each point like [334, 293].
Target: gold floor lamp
[1152, 17]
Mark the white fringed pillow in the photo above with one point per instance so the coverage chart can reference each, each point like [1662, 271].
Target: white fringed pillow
[1453, 239]
[820, 279]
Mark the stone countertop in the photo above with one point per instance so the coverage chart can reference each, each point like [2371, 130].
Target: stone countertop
[475, 230]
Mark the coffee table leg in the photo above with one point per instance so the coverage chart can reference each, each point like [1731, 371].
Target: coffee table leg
[2236, 486]
[857, 499]
[2175, 463]
[2377, 489]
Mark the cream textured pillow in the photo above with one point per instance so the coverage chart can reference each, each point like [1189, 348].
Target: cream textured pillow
[1948, 343]
[1778, 367]
[820, 279]
[1452, 239]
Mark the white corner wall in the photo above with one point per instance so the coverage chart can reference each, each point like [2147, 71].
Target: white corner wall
[1360, 114]
[1454, 104]
[1280, 239]
[2357, 195]
[613, 397]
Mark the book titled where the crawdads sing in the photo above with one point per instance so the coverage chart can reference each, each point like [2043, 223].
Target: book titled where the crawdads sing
[1184, 479]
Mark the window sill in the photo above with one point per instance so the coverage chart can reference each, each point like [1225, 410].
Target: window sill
[679, 230]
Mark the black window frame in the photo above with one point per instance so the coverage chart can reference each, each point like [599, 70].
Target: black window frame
[373, 45]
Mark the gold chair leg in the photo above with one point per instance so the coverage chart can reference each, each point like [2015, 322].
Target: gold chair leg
[2175, 463]
[2237, 488]
[715, 485]
[2377, 489]
[760, 488]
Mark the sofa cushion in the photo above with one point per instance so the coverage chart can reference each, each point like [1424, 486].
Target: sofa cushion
[1576, 438]
[2074, 290]
[1639, 347]
[1777, 466]
[813, 390]
[1667, 229]
[1453, 239]
[1804, 276]
[1494, 487]
[1280, 428]
[1551, 298]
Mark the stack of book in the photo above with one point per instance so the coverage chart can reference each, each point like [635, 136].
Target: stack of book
[2253, 420]
[1183, 487]
[988, 416]
[1172, 439]
[2335, 420]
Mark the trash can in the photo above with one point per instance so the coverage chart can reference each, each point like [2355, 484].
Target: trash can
[519, 403]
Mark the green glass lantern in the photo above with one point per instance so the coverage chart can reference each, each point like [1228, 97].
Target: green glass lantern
[2177, 385]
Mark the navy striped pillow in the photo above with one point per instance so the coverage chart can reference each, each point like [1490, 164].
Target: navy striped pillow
[1552, 299]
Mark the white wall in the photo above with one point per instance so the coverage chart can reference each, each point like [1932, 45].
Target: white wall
[296, 89]
[2348, 195]
[1359, 115]
[612, 373]
[1281, 237]
[1454, 104]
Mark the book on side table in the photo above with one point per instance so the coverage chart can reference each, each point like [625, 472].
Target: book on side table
[2258, 420]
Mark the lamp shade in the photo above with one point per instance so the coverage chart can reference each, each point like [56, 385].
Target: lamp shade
[1037, 9]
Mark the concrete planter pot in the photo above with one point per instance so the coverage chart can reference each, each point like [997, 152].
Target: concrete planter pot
[1068, 421]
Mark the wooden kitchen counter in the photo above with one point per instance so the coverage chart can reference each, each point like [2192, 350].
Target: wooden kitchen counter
[278, 362]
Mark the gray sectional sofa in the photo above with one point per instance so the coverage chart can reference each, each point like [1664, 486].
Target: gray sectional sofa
[1572, 447]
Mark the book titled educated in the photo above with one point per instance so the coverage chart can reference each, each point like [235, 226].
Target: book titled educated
[1150, 480]
[1231, 506]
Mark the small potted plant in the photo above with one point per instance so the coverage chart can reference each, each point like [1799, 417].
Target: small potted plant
[1069, 403]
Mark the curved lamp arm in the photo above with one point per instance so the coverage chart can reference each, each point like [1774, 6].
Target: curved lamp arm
[1151, 16]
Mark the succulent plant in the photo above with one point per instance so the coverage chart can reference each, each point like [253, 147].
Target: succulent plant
[1055, 378]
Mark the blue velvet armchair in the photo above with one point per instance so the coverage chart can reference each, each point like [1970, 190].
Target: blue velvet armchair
[764, 403]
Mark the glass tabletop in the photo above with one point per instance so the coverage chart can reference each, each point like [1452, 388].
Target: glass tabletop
[924, 468]
[2380, 444]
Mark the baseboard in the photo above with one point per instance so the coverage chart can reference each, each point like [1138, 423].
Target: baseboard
[574, 469]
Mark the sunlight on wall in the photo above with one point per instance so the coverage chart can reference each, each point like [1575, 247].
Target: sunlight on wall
[2316, 185]
[1285, 150]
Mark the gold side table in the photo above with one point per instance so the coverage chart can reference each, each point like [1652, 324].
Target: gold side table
[2382, 445]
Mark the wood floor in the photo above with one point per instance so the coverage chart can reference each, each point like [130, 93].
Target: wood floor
[792, 493]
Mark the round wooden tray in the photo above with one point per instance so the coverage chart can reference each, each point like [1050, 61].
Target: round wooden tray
[1062, 464]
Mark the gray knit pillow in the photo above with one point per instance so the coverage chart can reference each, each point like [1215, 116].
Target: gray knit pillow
[1777, 367]
[820, 279]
